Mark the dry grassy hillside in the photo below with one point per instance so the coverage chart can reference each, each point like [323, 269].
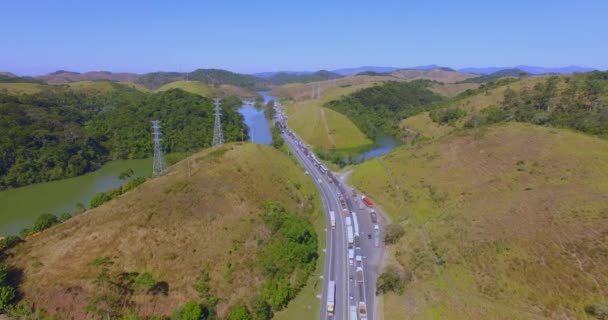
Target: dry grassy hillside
[67, 77]
[437, 74]
[422, 124]
[505, 222]
[319, 126]
[204, 213]
[303, 91]
[202, 89]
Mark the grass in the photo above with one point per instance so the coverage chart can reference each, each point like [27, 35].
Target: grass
[189, 86]
[437, 74]
[202, 89]
[21, 88]
[503, 222]
[452, 89]
[422, 125]
[204, 213]
[322, 127]
[92, 87]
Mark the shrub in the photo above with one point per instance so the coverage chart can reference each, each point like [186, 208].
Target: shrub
[7, 296]
[133, 184]
[192, 311]
[65, 217]
[600, 311]
[239, 312]
[3, 274]
[98, 199]
[393, 233]
[126, 174]
[44, 221]
[277, 140]
[390, 281]
[447, 115]
[202, 283]
[260, 309]
[145, 281]
[9, 242]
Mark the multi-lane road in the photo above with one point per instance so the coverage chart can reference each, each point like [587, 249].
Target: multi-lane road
[353, 246]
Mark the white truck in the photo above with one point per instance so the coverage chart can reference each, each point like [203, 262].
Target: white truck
[332, 219]
[351, 256]
[359, 261]
[349, 235]
[362, 311]
[359, 274]
[348, 221]
[353, 313]
[331, 297]
[355, 224]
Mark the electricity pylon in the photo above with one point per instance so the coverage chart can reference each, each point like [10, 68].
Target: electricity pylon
[159, 164]
[218, 136]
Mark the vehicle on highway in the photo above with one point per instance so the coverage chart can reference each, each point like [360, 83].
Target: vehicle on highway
[349, 234]
[353, 312]
[332, 219]
[374, 216]
[331, 297]
[360, 274]
[355, 224]
[362, 311]
[367, 201]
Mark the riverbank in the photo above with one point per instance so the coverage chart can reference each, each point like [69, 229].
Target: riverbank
[21, 206]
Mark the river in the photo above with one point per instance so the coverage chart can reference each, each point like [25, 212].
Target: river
[19, 207]
[255, 119]
[383, 144]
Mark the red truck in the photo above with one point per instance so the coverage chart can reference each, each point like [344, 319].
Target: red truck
[367, 201]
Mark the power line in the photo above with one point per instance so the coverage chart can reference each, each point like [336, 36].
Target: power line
[218, 136]
[158, 165]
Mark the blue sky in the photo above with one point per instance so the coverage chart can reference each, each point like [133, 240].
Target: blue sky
[252, 36]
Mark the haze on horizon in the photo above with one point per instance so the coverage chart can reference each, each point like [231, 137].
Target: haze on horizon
[248, 37]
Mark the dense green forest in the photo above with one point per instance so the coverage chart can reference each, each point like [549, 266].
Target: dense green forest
[156, 80]
[284, 77]
[380, 108]
[579, 102]
[60, 133]
[517, 73]
[8, 77]
[218, 76]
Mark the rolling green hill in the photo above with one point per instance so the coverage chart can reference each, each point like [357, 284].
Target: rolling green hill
[577, 101]
[203, 232]
[282, 78]
[515, 73]
[155, 80]
[64, 131]
[218, 77]
[378, 109]
[202, 89]
[502, 222]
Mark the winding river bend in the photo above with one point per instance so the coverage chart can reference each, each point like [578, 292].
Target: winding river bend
[21, 206]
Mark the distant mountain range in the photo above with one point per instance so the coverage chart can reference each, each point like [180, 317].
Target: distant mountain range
[474, 70]
[264, 80]
[529, 69]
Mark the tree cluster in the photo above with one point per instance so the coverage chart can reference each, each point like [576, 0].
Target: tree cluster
[59, 133]
[578, 102]
[379, 109]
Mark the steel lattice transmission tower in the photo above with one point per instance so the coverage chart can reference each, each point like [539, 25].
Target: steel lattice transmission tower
[159, 163]
[218, 136]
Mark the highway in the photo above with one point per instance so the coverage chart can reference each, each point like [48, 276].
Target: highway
[354, 294]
